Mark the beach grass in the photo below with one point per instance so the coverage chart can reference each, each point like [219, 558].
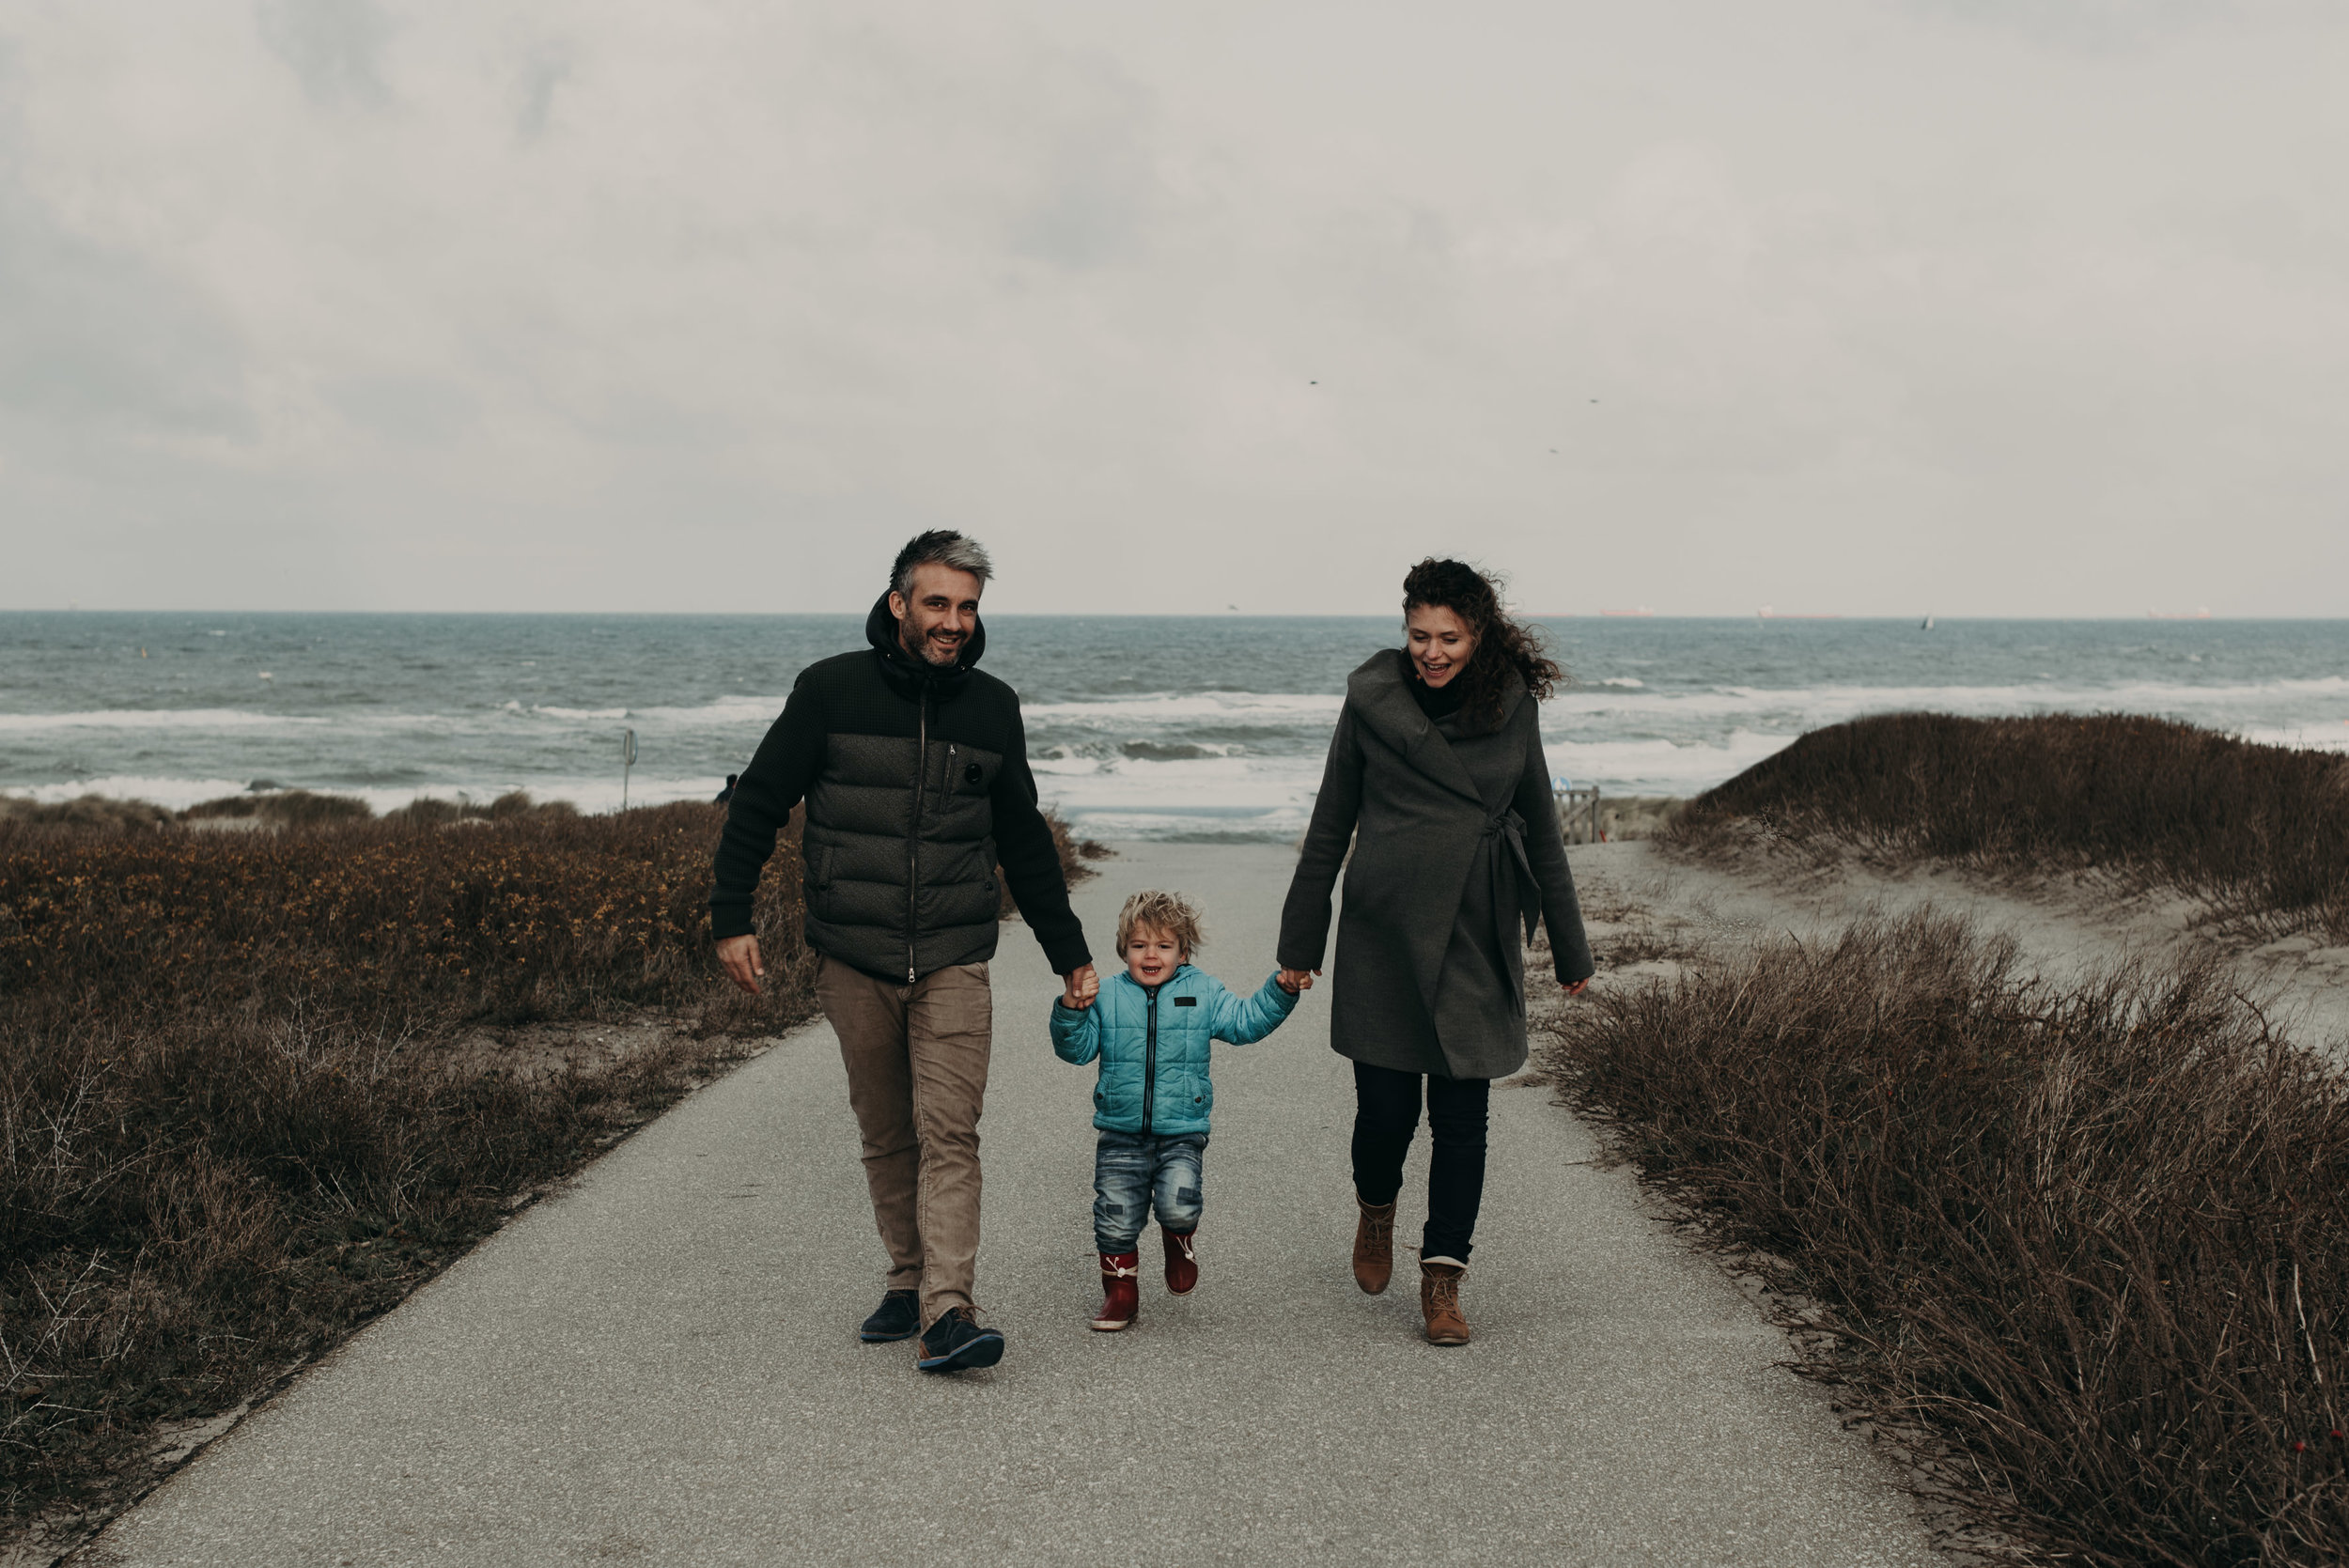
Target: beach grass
[2259, 833]
[257, 1086]
[2084, 1250]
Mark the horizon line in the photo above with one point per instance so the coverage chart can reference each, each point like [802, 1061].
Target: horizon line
[1775, 615]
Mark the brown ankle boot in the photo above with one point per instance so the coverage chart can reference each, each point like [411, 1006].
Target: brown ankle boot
[1374, 1246]
[1121, 1291]
[1440, 1299]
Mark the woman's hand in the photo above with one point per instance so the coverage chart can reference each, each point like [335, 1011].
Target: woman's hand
[1295, 980]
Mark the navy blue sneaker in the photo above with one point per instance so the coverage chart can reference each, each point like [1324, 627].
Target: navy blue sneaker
[956, 1343]
[898, 1317]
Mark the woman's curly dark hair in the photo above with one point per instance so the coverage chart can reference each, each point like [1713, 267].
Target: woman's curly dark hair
[1501, 645]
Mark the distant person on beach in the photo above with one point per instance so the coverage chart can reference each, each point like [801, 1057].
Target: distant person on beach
[914, 766]
[1437, 783]
[1151, 1028]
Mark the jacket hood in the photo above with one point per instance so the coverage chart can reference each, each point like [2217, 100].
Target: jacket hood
[881, 629]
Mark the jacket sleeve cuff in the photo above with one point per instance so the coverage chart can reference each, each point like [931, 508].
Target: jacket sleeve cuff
[730, 920]
[1067, 955]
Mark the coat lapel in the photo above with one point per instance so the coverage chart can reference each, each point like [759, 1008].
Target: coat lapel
[1385, 705]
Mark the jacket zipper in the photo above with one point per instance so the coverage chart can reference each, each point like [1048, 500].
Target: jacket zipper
[914, 830]
[1150, 1065]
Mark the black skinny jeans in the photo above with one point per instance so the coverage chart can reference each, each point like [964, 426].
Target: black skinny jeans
[1386, 1117]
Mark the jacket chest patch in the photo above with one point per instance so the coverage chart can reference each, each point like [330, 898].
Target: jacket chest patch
[973, 773]
[1186, 1001]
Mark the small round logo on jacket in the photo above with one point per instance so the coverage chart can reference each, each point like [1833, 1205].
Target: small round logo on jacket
[972, 773]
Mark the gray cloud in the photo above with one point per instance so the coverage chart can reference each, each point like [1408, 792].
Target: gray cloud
[335, 47]
[101, 337]
[545, 67]
[1702, 309]
[415, 409]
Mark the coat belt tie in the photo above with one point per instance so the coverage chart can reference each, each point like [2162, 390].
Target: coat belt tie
[1504, 840]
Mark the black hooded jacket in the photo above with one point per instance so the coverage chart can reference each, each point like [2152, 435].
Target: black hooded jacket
[917, 786]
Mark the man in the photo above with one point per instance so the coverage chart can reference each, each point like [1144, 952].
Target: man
[914, 768]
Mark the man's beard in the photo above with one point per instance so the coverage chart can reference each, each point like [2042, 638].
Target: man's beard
[926, 649]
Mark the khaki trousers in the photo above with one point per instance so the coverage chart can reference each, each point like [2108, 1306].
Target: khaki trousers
[917, 1059]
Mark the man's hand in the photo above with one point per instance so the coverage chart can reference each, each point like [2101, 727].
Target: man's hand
[740, 958]
[1078, 988]
[1294, 981]
[1579, 987]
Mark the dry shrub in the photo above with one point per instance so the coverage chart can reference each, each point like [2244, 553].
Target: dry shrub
[514, 803]
[2089, 1246]
[83, 812]
[2261, 833]
[284, 808]
[232, 1126]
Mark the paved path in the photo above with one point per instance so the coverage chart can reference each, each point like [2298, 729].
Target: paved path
[660, 1366]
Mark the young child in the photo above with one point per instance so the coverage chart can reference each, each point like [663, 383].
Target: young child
[1150, 1027]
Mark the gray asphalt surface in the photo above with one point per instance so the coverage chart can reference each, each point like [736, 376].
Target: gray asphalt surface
[660, 1365]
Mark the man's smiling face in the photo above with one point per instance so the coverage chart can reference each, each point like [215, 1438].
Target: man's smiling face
[935, 622]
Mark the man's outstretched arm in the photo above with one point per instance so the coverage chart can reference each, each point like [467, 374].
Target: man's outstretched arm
[1032, 861]
[778, 776]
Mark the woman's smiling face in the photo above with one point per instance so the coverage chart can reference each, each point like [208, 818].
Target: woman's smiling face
[1439, 642]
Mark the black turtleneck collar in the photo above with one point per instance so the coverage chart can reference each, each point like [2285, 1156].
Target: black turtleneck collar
[881, 629]
[1436, 702]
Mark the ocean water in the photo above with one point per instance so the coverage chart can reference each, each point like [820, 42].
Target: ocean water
[1141, 727]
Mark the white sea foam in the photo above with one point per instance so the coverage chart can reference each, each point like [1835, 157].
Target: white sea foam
[176, 794]
[587, 794]
[725, 710]
[1623, 734]
[151, 719]
[1281, 708]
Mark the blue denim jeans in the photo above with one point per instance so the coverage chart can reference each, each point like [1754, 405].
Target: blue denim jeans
[1132, 1173]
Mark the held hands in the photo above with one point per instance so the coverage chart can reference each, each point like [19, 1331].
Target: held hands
[1078, 988]
[738, 955]
[1295, 980]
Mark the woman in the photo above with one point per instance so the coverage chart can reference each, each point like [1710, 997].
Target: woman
[1436, 777]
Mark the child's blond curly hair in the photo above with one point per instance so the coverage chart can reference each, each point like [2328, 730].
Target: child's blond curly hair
[1170, 914]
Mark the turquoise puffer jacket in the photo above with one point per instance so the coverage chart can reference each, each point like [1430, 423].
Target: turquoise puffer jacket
[1154, 1048]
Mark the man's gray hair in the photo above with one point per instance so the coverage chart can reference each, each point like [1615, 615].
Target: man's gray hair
[940, 547]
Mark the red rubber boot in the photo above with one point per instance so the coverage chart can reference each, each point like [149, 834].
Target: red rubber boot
[1121, 1291]
[1182, 1260]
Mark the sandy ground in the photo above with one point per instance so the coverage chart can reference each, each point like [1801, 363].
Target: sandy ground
[1646, 908]
[658, 1364]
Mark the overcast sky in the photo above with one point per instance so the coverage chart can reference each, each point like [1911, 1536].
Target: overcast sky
[1970, 307]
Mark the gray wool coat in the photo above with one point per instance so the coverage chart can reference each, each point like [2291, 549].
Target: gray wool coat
[1454, 841]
